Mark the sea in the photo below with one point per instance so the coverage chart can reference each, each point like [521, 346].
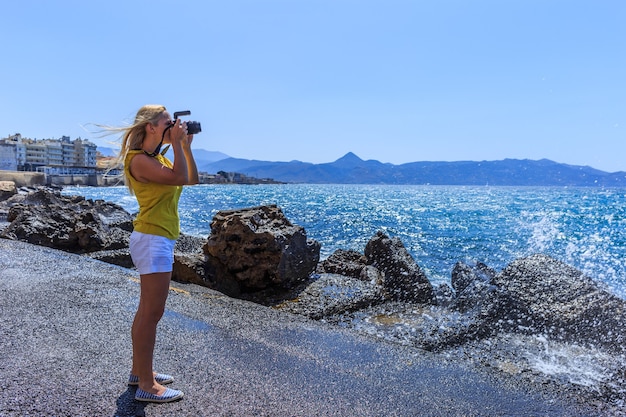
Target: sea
[438, 225]
[443, 225]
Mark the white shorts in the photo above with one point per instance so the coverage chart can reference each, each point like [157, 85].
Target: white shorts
[151, 253]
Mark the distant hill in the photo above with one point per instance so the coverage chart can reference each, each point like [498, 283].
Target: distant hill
[202, 156]
[350, 169]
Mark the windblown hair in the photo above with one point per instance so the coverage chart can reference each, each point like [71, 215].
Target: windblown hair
[134, 134]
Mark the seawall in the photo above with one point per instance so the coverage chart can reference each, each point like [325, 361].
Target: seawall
[31, 179]
[23, 179]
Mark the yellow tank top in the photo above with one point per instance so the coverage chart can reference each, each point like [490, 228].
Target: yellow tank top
[158, 203]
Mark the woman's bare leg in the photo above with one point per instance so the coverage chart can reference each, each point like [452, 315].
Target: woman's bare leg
[154, 291]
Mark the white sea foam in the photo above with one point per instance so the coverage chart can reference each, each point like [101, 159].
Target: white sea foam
[567, 362]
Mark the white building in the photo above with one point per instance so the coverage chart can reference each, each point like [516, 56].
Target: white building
[8, 157]
[21, 154]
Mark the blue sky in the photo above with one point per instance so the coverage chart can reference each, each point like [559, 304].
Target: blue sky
[393, 80]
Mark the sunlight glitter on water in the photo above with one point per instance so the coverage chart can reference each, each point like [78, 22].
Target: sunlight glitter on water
[439, 226]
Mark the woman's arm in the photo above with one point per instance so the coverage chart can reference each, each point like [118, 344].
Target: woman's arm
[147, 169]
[192, 169]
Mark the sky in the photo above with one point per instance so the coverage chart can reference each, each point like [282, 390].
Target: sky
[279, 80]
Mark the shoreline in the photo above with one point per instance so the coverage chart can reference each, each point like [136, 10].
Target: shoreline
[231, 357]
[507, 357]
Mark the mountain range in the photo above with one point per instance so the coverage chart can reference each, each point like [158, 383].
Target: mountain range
[350, 169]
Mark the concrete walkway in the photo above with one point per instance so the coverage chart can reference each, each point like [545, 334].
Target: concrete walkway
[65, 350]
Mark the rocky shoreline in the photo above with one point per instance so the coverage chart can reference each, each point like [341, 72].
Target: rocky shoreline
[512, 321]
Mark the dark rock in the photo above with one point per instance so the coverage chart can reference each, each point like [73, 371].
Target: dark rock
[190, 261]
[333, 294]
[7, 190]
[349, 263]
[190, 268]
[258, 248]
[404, 279]
[444, 295]
[374, 275]
[47, 218]
[226, 284]
[537, 295]
[484, 306]
[187, 244]
[119, 257]
[463, 275]
[474, 290]
[560, 301]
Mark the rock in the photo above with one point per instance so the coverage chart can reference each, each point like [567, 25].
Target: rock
[190, 268]
[38, 196]
[7, 189]
[47, 218]
[427, 326]
[119, 257]
[464, 275]
[404, 279]
[373, 275]
[537, 295]
[349, 263]
[474, 290]
[333, 294]
[444, 295]
[476, 298]
[187, 244]
[452, 318]
[258, 248]
[560, 301]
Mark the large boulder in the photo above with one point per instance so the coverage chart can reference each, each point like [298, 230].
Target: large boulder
[403, 278]
[75, 224]
[258, 248]
[560, 301]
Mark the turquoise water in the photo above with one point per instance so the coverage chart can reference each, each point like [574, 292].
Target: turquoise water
[439, 225]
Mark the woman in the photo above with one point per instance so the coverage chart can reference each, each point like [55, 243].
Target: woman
[157, 184]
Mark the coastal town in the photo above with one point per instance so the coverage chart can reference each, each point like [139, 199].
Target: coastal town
[64, 161]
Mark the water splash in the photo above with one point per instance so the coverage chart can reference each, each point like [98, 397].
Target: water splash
[567, 362]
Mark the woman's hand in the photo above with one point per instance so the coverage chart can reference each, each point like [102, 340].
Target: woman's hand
[178, 133]
[186, 143]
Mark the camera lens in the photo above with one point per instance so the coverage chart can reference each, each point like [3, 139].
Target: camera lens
[193, 128]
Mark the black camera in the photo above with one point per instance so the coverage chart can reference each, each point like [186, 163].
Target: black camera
[192, 127]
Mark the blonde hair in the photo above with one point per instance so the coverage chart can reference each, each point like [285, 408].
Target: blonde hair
[134, 134]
